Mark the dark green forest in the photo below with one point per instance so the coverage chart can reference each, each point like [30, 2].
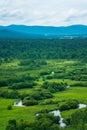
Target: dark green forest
[43, 49]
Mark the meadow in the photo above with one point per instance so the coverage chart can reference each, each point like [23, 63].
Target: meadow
[26, 77]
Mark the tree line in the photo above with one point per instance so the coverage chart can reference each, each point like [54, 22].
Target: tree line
[43, 49]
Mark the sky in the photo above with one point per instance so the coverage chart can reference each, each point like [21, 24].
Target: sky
[43, 12]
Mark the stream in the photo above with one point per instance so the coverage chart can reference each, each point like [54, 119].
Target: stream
[82, 106]
[55, 112]
[19, 103]
[58, 113]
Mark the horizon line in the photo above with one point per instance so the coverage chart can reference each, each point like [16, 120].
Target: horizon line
[43, 25]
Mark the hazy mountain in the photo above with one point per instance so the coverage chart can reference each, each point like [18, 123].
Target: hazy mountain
[22, 31]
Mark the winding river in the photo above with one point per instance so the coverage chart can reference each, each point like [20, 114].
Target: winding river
[55, 112]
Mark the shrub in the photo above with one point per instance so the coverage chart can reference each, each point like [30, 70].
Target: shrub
[40, 95]
[78, 119]
[29, 102]
[12, 125]
[7, 94]
[3, 83]
[82, 84]
[22, 85]
[54, 87]
[48, 116]
[44, 73]
[9, 107]
[70, 104]
[49, 77]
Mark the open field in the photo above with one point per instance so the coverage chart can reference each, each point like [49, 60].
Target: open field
[38, 81]
[28, 113]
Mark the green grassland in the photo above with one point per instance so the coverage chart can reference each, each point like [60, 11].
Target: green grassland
[20, 66]
[9, 70]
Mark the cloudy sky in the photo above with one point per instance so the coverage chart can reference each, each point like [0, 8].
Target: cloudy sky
[43, 12]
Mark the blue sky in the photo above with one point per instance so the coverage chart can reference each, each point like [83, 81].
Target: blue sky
[43, 12]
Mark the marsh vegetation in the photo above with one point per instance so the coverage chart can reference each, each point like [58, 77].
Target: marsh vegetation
[46, 75]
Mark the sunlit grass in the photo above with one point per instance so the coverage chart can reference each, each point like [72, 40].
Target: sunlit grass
[13, 69]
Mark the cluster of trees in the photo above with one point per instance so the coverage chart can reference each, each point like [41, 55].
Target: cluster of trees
[54, 87]
[79, 74]
[32, 62]
[73, 74]
[29, 102]
[28, 99]
[22, 85]
[33, 98]
[9, 94]
[78, 120]
[43, 49]
[46, 121]
[10, 80]
[78, 84]
[69, 104]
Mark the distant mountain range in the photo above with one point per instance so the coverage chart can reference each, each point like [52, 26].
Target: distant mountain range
[22, 31]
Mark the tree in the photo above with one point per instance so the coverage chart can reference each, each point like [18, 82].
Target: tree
[12, 125]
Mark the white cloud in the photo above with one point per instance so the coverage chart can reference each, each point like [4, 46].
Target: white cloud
[5, 14]
[77, 16]
[39, 12]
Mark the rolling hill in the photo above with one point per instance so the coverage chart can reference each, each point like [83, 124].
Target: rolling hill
[23, 31]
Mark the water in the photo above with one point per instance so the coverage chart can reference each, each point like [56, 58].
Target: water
[19, 103]
[82, 106]
[68, 87]
[52, 72]
[37, 114]
[58, 113]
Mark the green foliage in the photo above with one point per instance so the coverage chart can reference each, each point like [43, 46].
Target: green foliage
[44, 121]
[50, 102]
[12, 125]
[54, 87]
[79, 119]
[29, 102]
[3, 83]
[54, 119]
[44, 73]
[33, 98]
[9, 94]
[43, 49]
[22, 85]
[82, 84]
[40, 95]
[69, 104]
[9, 107]
[23, 62]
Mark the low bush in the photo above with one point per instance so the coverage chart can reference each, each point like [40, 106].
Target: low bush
[29, 102]
[78, 84]
[69, 104]
[9, 94]
[78, 119]
[22, 85]
[40, 95]
[9, 107]
[54, 87]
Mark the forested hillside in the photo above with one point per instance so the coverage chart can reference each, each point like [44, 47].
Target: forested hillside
[43, 49]
[24, 32]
